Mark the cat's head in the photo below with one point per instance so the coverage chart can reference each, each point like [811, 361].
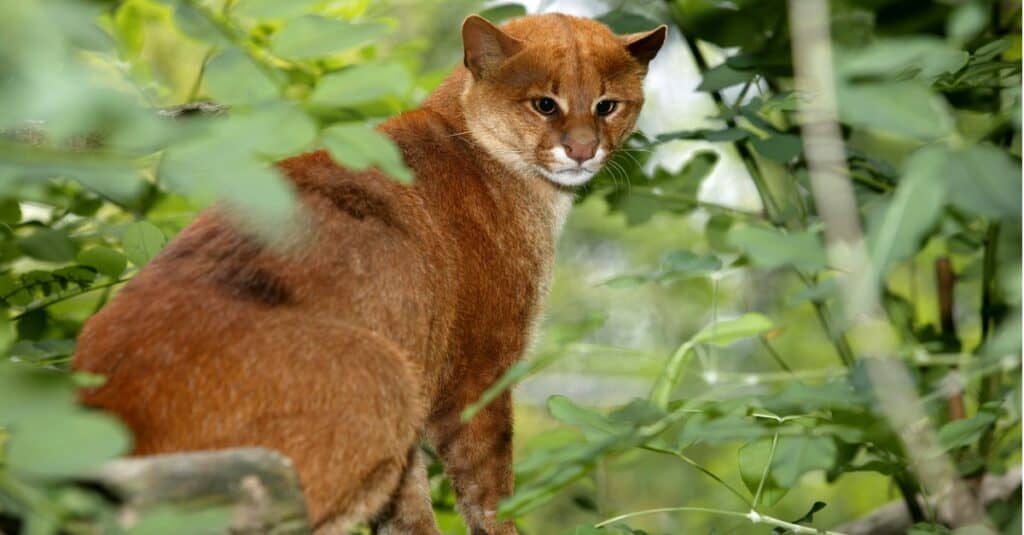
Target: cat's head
[554, 95]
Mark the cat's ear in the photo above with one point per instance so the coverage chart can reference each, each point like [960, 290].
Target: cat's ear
[645, 45]
[486, 47]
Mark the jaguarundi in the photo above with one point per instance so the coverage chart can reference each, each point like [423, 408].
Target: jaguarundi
[397, 306]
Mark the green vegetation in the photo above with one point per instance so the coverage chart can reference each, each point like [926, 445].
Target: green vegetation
[751, 339]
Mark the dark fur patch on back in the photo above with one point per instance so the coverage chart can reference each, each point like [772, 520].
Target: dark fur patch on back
[355, 201]
[256, 284]
[236, 264]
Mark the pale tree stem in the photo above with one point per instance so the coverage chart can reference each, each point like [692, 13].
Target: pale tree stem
[833, 195]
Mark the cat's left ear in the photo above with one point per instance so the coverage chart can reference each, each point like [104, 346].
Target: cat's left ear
[486, 46]
[645, 45]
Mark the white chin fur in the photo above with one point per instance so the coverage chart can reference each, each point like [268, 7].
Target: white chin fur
[573, 177]
[567, 172]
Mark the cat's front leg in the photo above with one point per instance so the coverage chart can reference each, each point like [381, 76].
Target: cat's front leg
[478, 458]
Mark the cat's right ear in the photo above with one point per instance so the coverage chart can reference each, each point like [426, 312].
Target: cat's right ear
[486, 47]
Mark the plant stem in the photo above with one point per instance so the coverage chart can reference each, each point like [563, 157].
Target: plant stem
[767, 468]
[990, 384]
[775, 354]
[710, 206]
[703, 470]
[65, 297]
[753, 516]
[771, 209]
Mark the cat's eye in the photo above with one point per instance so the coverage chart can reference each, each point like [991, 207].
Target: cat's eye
[605, 107]
[545, 105]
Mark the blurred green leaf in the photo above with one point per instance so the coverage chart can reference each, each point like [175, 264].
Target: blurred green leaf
[967, 21]
[232, 79]
[723, 76]
[591, 423]
[781, 148]
[313, 36]
[959, 433]
[983, 180]
[724, 332]
[358, 147]
[40, 350]
[272, 9]
[797, 455]
[895, 58]
[360, 84]
[906, 109]
[128, 28]
[40, 448]
[33, 395]
[142, 241]
[753, 461]
[10, 211]
[103, 259]
[172, 520]
[624, 22]
[915, 207]
[48, 245]
[772, 249]
[499, 13]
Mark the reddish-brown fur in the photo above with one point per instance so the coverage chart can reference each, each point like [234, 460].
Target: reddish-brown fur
[394, 309]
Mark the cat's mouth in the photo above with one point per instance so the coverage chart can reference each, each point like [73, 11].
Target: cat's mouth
[573, 176]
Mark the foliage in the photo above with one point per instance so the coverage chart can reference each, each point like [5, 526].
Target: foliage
[929, 101]
[93, 182]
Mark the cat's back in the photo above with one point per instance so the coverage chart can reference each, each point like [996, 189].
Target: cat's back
[364, 252]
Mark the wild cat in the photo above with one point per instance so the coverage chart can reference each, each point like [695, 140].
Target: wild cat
[399, 305]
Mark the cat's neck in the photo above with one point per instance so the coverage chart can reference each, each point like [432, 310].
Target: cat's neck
[538, 193]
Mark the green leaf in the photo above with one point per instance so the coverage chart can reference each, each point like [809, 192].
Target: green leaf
[723, 76]
[623, 22]
[909, 109]
[103, 259]
[965, 432]
[128, 29]
[915, 207]
[677, 265]
[314, 37]
[720, 430]
[193, 22]
[359, 147]
[142, 241]
[753, 459]
[797, 455]
[10, 211]
[172, 520]
[48, 245]
[502, 12]
[927, 56]
[716, 230]
[771, 249]
[41, 448]
[33, 394]
[724, 332]
[360, 84]
[272, 9]
[967, 21]
[983, 180]
[806, 519]
[42, 350]
[591, 423]
[781, 148]
[232, 79]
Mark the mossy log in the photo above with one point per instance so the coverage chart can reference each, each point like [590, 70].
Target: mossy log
[258, 488]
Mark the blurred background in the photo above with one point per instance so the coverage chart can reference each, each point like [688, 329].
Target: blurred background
[695, 350]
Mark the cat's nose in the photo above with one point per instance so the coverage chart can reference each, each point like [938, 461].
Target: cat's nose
[580, 151]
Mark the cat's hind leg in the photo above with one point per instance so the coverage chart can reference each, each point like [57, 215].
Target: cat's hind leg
[410, 511]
